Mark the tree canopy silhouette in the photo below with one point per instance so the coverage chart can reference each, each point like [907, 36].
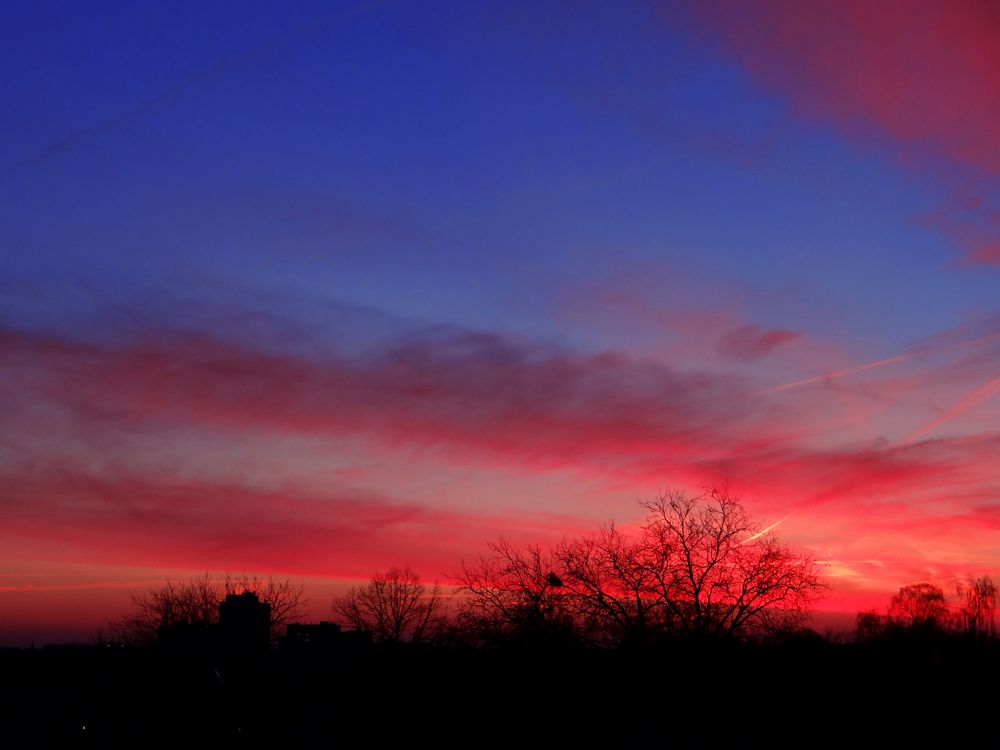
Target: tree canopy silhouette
[920, 605]
[510, 593]
[174, 604]
[393, 606]
[717, 572]
[979, 605]
[196, 602]
[696, 566]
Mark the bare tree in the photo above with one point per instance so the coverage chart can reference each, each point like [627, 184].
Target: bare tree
[718, 573]
[698, 565]
[979, 605]
[194, 602]
[609, 583]
[920, 605]
[869, 626]
[512, 593]
[392, 606]
[176, 603]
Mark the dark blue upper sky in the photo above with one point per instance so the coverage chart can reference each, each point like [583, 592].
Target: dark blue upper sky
[477, 164]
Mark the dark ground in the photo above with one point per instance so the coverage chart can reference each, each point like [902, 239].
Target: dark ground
[801, 693]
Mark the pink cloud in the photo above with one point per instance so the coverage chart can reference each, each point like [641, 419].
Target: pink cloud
[471, 398]
[475, 401]
[121, 518]
[750, 342]
[987, 254]
[468, 393]
[923, 72]
[919, 74]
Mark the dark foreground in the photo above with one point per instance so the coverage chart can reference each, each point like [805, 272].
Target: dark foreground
[800, 693]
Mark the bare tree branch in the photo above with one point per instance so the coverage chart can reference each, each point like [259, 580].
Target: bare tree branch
[393, 606]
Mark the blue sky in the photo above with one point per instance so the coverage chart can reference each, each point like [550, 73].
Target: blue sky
[450, 164]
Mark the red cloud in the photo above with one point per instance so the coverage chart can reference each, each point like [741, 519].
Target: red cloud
[471, 398]
[122, 518]
[985, 255]
[923, 72]
[464, 392]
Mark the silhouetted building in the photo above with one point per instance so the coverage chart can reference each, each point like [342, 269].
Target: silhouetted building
[245, 622]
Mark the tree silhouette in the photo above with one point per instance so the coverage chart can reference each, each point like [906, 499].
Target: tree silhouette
[393, 606]
[979, 605]
[919, 605]
[718, 573]
[869, 626]
[509, 593]
[196, 602]
[610, 585]
[175, 604]
[697, 566]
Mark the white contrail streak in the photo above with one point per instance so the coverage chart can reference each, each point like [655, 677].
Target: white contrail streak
[879, 363]
[967, 402]
[765, 530]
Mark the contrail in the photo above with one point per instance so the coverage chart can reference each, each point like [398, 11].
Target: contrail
[839, 373]
[765, 530]
[82, 135]
[880, 363]
[969, 401]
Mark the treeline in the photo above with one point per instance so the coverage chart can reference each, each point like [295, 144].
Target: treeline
[180, 605]
[694, 568]
[688, 629]
[922, 609]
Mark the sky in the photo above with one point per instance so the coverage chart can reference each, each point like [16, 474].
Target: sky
[316, 289]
